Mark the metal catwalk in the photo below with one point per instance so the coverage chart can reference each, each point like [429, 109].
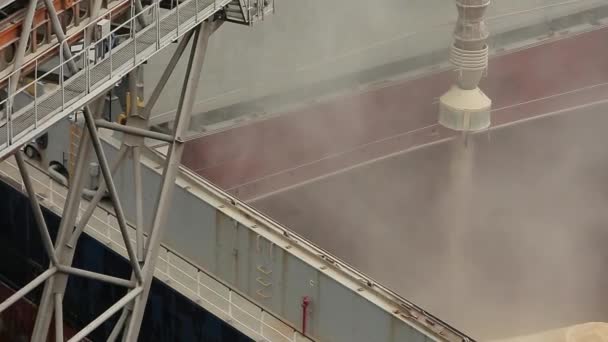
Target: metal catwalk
[82, 80]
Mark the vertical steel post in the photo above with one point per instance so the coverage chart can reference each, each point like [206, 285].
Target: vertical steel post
[58, 30]
[38, 216]
[9, 110]
[58, 317]
[96, 199]
[157, 11]
[177, 19]
[36, 94]
[62, 75]
[13, 81]
[184, 111]
[110, 48]
[133, 92]
[145, 115]
[57, 283]
[140, 16]
[26, 30]
[55, 286]
[134, 41]
[139, 203]
[90, 121]
[107, 175]
[65, 255]
[87, 72]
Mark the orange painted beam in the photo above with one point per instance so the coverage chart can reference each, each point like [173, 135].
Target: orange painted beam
[53, 50]
[11, 29]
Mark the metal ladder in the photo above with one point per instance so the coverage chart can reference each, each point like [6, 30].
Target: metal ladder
[100, 72]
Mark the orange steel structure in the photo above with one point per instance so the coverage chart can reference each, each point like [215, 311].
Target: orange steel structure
[73, 13]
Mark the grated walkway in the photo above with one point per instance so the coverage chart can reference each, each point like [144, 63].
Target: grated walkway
[94, 79]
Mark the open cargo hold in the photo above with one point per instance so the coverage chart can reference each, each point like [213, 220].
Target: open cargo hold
[501, 238]
[256, 159]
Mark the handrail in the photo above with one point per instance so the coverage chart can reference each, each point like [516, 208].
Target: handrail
[78, 85]
[74, 34]
[63, 61]
[56, 196]
[75, 56]
[259, 219]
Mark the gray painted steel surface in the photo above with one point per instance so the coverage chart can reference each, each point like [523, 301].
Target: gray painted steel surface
[244, 258]
[247, 251]
[503, 238]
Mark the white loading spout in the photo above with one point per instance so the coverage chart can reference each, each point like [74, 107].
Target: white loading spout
[465, 107]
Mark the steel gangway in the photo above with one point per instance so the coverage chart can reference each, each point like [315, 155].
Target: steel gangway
[102, 63]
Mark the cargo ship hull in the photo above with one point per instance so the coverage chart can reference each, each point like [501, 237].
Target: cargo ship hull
[499, 237]
[170, 316]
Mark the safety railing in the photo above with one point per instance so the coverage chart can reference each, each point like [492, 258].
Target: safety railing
[101, 62]
[45, 46]
[257, 10]
[179, 273]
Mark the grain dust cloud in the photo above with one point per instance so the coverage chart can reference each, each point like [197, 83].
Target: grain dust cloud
[502, 236]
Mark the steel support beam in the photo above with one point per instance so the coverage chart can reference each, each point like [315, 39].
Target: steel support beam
[144, 133]
[181, 47]
[142, 118]
[89, 138]
[106, 315]
[107, 175]
[27, 288]
[38, 216]
[138, 9]
[63, 252]
[165, 118]
[133, 98]
[24, 40]
[139, 203]
[96, 276]
[96, 143]
[26, 30]
[184, 112]
[95, 7]
[58, 30]
[84, 219]
[58, 317]
[118, 326]
[57, 284]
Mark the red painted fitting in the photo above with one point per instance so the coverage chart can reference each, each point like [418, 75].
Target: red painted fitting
[305, 304]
